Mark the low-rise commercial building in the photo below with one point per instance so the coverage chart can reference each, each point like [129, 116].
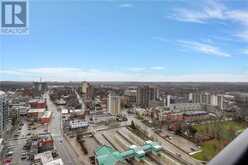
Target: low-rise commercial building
[45, 142]
[195, 116]
[74, 124]
[172, 117]
[55, 162]
[35, 114]
[182, 107]
[37, 103]
[46, 117]
[46, 158]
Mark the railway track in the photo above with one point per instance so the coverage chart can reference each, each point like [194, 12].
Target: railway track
[163, 156]
[122, 145]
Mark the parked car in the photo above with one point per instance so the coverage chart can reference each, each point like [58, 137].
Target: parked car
[10, 153]
[55, 153]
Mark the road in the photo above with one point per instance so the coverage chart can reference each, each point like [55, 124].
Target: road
[64, 149]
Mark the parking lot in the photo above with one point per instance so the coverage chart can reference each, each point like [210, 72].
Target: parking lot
[14, 151]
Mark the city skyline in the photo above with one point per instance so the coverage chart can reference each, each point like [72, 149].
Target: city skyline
[130, 41]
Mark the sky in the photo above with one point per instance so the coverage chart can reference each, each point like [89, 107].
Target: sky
[138, 40]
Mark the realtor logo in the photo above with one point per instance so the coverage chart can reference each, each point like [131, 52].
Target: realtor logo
[14, 17]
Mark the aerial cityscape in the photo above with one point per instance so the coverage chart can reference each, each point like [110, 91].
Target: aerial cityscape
[112, 82]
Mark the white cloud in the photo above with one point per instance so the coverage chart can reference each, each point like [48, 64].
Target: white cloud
[238, 15]
[211, 10]
[245, 51]
[214, 11]
[126, 5]
[137, 69]
[78, 74]
[146, 69]
[204, 48]
[243, 35]
[157, 68]
[162, 39]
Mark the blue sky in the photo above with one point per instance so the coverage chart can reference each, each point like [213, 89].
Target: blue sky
[114, 40]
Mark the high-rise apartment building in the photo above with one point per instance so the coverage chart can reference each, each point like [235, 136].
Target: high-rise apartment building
[131, 95]
[114, 104]
[220, 100]
[3, 112]
[207, 99]
[39, 88]
[84, 86]
[167, 101]
[87, 90]
[145, 94]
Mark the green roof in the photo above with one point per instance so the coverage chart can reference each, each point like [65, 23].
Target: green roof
[107, 156]
[104, 150]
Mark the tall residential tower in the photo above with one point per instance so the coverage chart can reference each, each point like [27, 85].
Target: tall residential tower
[114, 104]
[3, 112]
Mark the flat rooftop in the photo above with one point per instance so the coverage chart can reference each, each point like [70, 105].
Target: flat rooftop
[40, 110]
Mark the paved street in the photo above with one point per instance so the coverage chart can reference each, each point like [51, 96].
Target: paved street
[64, 149]
[186, 145]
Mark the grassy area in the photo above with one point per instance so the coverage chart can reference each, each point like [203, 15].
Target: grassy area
[224, 133]
[209, 150]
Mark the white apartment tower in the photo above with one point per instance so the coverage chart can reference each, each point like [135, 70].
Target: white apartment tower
[3, 112]
[84, 86]
[114, 104]
[208, 99]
